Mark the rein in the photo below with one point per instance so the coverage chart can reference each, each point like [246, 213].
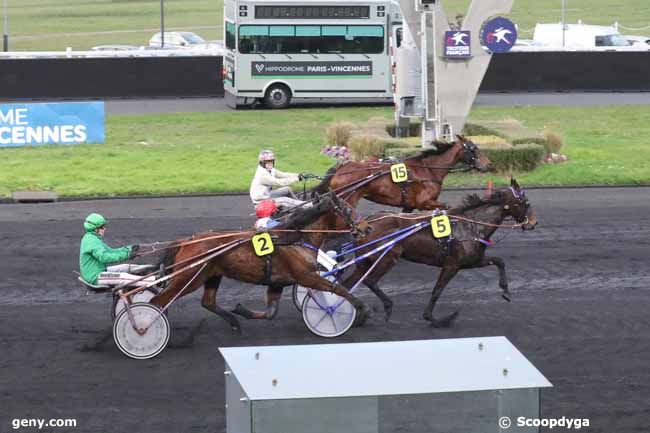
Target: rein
[456, 217]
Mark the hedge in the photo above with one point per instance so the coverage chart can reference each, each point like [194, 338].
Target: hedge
[523, 157]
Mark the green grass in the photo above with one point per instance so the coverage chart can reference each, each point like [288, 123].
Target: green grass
[39, 25]
[216, 152]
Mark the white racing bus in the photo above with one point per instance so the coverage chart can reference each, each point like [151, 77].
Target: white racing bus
[278, 50]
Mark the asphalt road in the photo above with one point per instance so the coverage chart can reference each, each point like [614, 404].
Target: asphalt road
[581, 297]
[173, 105]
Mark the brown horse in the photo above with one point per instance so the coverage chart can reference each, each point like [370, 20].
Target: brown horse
[290, 263]
[426, 172]
[472, 225]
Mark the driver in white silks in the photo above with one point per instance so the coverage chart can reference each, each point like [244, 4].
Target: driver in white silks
[270, 183]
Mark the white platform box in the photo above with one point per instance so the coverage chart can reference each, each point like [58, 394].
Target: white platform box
[455, 385]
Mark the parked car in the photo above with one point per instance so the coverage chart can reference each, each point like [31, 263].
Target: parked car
[638, 40]
[114, 48]
[176, 40]
[581, 37]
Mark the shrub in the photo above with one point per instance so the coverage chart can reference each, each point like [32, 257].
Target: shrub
[554, 142]
[338, 133]
[402, 152]
[364, 146]
[488, 141]
[523, 157]
[414, 129]
[476, 129]
[529, 140]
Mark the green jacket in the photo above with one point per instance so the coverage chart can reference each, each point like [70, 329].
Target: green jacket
[94, 255]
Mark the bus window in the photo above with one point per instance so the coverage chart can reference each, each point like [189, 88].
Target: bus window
[311, 39]
[398, 36]
[230, 35]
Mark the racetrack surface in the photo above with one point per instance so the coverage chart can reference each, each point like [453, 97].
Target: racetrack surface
[580, 313]
[569, 99]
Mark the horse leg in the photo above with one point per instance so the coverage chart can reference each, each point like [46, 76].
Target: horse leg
[503, 278]
[209, 302]
[446, 274]
[383, 297]
[273, 295]
[371, 283]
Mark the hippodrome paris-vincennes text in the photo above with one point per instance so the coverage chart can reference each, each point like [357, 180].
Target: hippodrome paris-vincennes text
[15, 129]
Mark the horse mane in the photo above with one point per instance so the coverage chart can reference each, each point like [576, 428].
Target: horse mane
[324, 184]
[300, 218]
[440, 148]
[473, 201]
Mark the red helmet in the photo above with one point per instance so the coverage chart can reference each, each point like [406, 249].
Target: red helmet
[265, 208]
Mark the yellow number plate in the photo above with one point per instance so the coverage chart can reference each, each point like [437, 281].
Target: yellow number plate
[398, 172]
[262, 244]
[441, 226]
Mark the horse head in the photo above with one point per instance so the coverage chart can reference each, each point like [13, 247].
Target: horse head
[472, 156]
[517, 206]
[359, 227]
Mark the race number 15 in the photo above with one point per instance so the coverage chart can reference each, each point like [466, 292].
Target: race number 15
[398, 172]
[262, 244]
[441, 226]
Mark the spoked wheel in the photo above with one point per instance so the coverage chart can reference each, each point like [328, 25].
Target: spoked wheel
[144, 296]
[150, 335]
[299, 294]
[326, 314]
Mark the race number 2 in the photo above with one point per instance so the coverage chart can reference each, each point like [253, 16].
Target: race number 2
[262, 244]
[441, 226]
[398, 172]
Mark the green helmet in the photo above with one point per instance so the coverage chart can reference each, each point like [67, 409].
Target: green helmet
[93, 222]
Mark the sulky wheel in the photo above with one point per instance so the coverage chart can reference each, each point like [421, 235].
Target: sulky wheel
[298, 294]
[144, 296]
[327, 315]
[153, 326]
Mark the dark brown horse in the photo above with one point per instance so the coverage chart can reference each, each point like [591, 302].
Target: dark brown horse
[290, 263]
[426, 172]
[473, 224]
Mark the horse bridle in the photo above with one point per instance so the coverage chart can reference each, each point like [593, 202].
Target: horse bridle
[347, 216]
[470, 155]
[523, 201]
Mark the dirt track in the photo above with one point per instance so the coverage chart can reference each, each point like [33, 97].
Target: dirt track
[580, 313]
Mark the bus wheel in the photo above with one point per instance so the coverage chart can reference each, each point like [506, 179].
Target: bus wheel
[277, 96]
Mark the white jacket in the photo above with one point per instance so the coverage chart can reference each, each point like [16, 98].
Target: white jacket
[263, 181]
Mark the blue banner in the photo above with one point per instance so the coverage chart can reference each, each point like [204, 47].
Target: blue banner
[51, 123]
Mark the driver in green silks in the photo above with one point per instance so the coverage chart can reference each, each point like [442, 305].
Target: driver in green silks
[95, 256]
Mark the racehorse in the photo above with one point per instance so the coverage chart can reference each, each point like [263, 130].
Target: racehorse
[473, 223]
[426, 171]
[290, 263]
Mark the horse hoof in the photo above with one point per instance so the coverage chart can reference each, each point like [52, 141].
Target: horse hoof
[427, 316]
[363, 314]
[388, 311]
[506, 296]
[445, 322]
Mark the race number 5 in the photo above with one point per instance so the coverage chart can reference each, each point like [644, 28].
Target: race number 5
[398, 172]
[441, 226]
[262, 244]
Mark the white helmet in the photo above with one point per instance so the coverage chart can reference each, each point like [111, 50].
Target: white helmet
[266, 155]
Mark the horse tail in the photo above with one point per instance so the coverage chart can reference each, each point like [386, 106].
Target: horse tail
[324, 184]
